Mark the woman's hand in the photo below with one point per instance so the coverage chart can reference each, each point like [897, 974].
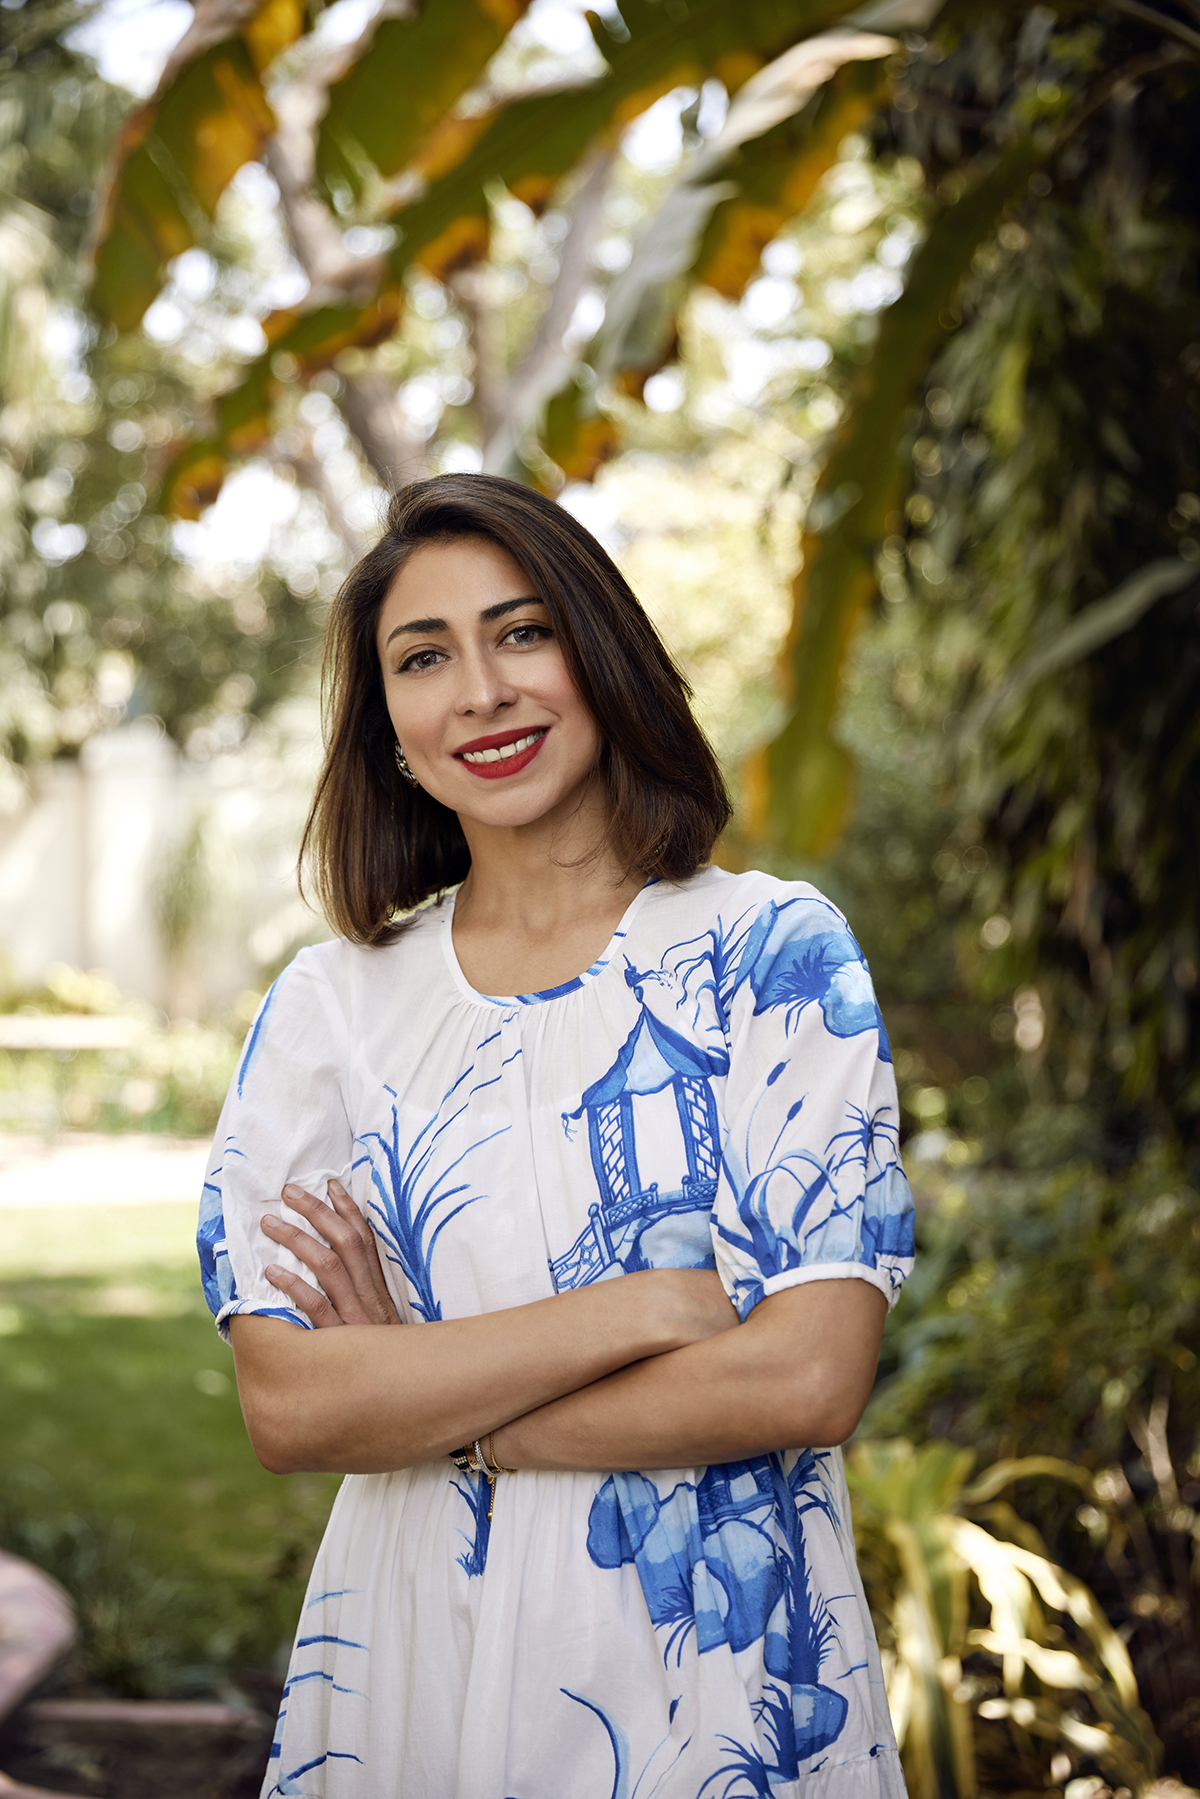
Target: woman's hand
[347, 1263]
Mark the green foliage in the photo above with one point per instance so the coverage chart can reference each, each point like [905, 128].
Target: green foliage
[128, 1476]
[98, 618]
[1023, 1377]
[1057, 457]
[810, 774]
[1064, 1683]
[1040, 1322]
[168, 1076]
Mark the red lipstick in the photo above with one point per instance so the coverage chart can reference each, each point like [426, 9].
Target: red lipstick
[492, 764]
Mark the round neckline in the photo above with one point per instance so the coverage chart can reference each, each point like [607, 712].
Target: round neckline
[576, 982]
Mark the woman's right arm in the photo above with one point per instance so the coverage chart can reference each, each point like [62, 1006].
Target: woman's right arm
[365, 1400]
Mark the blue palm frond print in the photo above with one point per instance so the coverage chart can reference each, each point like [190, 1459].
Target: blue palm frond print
[703, 972]
[416, 1196]
[795, 1726]
[477, 1494]
[870, 1142]
[653, 1769]
[286, 1784]
[746, 1763]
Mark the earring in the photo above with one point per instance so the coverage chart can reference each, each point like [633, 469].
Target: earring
[402, 765]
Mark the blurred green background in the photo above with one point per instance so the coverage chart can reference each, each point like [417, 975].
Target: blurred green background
[868, 341]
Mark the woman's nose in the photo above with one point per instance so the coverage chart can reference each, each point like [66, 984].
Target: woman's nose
[482, 689]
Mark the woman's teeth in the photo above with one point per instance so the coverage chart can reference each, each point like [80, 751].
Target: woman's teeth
[502, 755]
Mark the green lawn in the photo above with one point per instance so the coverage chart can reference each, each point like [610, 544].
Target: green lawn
[124, 1464]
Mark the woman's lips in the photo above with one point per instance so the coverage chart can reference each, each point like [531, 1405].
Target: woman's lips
[497, 760]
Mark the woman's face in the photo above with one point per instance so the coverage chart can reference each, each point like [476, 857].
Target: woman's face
[477, 689]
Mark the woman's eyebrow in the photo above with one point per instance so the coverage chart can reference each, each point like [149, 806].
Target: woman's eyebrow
[490, 613]
[420, 627]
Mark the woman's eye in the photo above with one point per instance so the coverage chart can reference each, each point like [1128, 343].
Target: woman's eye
[420, 659]
[524, 635]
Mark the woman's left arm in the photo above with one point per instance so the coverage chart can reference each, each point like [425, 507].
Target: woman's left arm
[797, 1373]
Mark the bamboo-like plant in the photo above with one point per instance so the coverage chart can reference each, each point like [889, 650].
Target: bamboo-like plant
[939, 1556]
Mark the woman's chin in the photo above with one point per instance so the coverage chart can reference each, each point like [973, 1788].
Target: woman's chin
[521, 807]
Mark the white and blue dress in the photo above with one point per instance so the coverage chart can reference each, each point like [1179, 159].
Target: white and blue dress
[716, 1090]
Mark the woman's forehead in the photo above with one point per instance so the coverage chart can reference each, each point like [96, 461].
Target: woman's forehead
[463, 576]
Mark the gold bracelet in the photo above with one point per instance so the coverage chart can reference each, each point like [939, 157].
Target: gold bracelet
[496, 1464]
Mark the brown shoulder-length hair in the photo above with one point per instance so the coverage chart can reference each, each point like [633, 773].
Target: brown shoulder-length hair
[375, 846]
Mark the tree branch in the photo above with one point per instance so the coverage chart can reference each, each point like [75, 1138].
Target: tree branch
[547, 362]
[311, 472]
[371, 407]
[369, 403]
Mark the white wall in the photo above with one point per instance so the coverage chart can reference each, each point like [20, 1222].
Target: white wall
[82, 867]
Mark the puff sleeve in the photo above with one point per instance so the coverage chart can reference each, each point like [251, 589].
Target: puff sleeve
[284, 1119]
[811, 1184]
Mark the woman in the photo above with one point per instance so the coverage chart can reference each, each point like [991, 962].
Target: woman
[595, 1538]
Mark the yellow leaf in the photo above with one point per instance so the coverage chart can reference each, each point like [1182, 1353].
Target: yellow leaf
[463, 242]
[1056, 1667]
[172, 160]
[273, 27]
[777, 175]
[192, 481]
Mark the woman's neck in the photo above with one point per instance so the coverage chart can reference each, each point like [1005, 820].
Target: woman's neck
[540, 902]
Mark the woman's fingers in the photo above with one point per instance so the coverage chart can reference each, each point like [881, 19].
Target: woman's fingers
[346, 1263]
[349, 1234]
[321, 1258]
[362, 1262]
[306, 1299]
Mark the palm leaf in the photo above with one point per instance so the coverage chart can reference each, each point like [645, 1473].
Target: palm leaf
[807, 792]
[384, 107]
[174, 157]
[529, 144]
[732, 198]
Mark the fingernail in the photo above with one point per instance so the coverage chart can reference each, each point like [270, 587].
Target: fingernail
[273, 1271]
[293, 1192]
[269, 1218]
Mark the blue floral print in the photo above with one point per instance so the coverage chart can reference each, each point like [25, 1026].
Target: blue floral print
[715, 1091]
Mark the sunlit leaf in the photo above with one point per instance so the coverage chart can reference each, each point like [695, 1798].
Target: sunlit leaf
[385, 106]
[174, 157]
[193, 480]
[810, 774]
[274, 26]
[1055, 1667]
[757, 172]
[777, 174]
[575, 435]
[1002, 1474]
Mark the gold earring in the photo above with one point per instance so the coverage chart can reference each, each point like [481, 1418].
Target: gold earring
[402, 765]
